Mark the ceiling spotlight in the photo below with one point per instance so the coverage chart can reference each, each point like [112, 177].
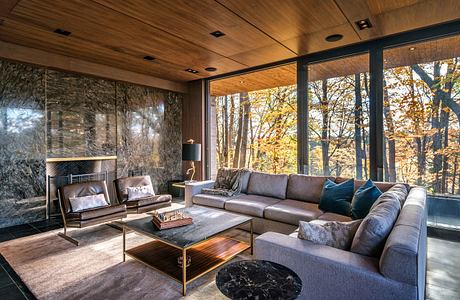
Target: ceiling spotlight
[211, 69]
[149, 58]
[241, 81]
[63, 32]
[364, 24]
[411, 48]
[217, 34]
[334, 38]
[191, 71]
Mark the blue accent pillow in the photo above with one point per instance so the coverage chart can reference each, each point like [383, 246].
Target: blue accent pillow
[336, 197]
[363, 199]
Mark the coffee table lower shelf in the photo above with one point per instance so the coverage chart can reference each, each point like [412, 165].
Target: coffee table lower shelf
[205, 257]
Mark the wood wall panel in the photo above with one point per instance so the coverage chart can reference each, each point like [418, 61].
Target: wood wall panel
[193, 123]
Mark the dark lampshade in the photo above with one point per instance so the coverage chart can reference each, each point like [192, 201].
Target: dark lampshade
[191, 152]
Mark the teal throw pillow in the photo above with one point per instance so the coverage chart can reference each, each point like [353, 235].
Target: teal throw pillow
[336, 197]
[363, 199]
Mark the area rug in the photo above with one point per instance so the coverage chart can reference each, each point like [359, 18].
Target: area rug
[53, 268]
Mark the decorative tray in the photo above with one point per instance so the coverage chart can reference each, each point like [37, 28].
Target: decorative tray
[171, 219]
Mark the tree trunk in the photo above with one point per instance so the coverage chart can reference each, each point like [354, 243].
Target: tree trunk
[386, 173]
[445, 164]
[358, 125]
[225, 132]
[236, 155]
[244, 133]
[218, 137]
[365, 164]
[419, 135]
[231, 123]
[391, 138]
[324, 129]
[438, 95]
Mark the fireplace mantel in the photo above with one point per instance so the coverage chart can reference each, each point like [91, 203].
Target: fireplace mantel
[62, 159]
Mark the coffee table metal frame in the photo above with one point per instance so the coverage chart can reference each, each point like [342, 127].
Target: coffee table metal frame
[184, 280]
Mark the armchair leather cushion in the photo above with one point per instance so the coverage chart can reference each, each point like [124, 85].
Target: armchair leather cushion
[98, 212]
[149, 200]
[87, 202]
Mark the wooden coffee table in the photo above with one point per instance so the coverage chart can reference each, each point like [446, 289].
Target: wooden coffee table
[201, 242]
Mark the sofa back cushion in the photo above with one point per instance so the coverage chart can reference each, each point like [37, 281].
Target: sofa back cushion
[383, 186]
[403, 257]
[244, 180]
[305, 188]
[377, 225]
[269, 185]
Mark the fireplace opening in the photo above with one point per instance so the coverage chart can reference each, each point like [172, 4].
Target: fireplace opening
[64, 171]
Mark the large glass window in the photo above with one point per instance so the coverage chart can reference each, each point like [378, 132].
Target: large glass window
[338, 106]
[422, 114]
[254, 121]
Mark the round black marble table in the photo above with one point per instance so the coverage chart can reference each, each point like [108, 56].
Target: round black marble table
[258, 280]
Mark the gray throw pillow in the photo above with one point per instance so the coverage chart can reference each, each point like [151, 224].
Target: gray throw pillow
[87, 202]
[373, 232]
[140, 192]
[331, 233]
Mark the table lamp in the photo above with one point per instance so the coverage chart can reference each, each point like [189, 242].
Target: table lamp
[191, 152]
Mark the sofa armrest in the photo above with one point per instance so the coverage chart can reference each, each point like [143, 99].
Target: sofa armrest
[327, 272]
[194, 188]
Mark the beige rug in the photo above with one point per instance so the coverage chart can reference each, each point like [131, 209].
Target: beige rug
[53, 268]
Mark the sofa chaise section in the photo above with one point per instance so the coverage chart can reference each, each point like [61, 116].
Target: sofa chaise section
[330, 273]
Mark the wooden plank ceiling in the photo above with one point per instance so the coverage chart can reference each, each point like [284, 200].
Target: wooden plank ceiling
[177, 32]
[419, 53]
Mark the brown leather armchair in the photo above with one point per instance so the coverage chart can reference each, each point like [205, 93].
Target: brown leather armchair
[144, 204]
[91, 216]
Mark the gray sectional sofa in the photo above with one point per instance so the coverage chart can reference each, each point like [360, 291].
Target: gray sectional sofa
[278, 202]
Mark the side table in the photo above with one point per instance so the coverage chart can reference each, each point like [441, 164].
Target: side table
[258, 279]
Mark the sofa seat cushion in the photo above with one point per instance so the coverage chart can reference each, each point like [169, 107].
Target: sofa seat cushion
[328, 216]
[269, 185]
[217, 201]
[253, 205]
[149, 200]
[97, 212]
[292, 211]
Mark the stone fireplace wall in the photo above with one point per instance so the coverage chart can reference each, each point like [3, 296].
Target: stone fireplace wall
[52, 114]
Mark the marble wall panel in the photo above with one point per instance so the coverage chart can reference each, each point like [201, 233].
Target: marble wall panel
[22, 143]
[81, 115]
[46, 113]
[149, 134]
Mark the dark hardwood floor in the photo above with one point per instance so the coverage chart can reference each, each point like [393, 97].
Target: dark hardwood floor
[443, 259]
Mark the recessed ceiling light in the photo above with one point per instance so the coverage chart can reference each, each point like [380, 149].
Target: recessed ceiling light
[63, 32]
[334, 37]
[191, 71]
[412, 48]
[364, 24]
[241, 81]
[217, 34]
[211, 69]
[149, 58]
